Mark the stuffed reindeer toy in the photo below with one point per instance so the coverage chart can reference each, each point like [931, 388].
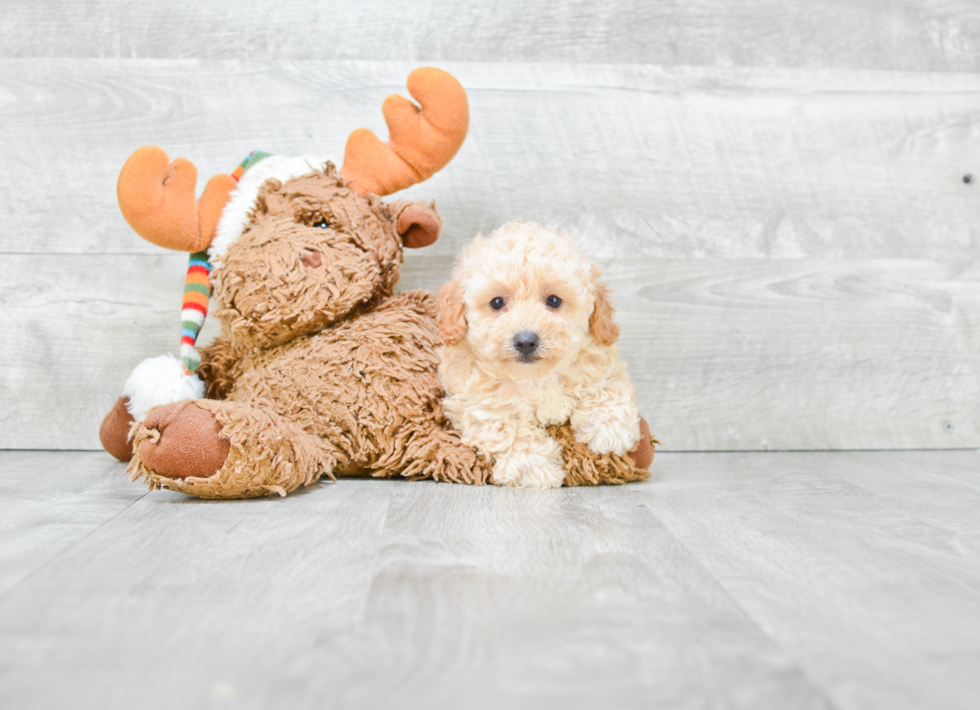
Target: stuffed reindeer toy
[321, 369]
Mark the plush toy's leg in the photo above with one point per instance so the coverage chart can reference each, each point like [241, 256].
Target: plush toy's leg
[114, 432]
[435, 452]
[584, 467]
[220, 449]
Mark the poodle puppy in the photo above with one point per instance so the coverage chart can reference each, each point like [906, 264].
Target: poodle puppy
[529, 342]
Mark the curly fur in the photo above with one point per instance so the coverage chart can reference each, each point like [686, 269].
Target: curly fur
[502, 400]
[584, 467]
[320, 369]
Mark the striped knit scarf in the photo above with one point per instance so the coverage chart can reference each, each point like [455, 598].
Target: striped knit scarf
[197, 289]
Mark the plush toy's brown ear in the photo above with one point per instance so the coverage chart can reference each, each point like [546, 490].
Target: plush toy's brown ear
[419, 225]
[601, 323]
[452, 313]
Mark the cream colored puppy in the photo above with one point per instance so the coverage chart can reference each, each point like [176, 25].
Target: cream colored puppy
[529, 341]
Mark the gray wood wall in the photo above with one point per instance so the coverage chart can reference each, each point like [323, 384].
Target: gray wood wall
[774, 189]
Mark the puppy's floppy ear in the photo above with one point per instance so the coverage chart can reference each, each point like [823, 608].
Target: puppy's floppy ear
[452, 315]
[601, 324]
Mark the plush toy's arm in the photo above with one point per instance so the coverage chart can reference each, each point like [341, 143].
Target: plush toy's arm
[220, 367]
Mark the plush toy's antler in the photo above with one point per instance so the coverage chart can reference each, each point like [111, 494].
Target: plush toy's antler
[157, 199]
[422, 140]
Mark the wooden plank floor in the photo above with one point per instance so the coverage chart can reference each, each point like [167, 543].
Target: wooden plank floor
[755, 580]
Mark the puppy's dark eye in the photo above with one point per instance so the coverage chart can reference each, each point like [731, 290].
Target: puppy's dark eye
[322, 224]
[497, 303]
[553, 301]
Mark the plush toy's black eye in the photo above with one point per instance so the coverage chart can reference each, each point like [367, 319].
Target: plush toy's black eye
[322, 224]
[553, 301]
[497, 303]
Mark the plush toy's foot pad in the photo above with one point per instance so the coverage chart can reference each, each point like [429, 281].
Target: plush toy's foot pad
[222, 449]
[185, 442]
[642, 453]
[114, 432]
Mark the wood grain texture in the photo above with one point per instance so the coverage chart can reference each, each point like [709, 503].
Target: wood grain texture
[78, 325]
[725, 354]
[634, 160]
[359, 593]
[862, 565]
[804, 354]
[924, 35]
[794, 251]
[763, 581]
[461, 581]
[49, 501]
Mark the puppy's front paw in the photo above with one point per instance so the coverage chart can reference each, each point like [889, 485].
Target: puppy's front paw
[526, 470]
[614, 434]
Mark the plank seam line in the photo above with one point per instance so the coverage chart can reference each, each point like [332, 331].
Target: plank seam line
[72, 545]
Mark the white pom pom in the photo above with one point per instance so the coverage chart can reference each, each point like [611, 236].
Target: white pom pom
[159, 380]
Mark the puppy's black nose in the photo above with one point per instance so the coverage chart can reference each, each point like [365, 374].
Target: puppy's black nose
[526, 343]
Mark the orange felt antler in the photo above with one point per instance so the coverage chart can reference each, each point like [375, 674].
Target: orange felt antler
[422, 140]
[157, 199]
